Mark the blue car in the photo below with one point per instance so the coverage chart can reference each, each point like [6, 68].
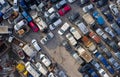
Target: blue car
[27, 16]
[98, 18]
[104, 62]
[23, 5]
[1, 14]
[110, 69]
[92, 73]
[101, 58]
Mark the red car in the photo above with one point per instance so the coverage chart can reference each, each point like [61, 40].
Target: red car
[64, 10]
[33, 26]
[95, 37]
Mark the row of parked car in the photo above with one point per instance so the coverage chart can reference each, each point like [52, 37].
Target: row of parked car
[21, 18]
[93, 67]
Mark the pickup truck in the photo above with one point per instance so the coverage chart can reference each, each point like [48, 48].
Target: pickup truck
[88, 43]
[84, 54]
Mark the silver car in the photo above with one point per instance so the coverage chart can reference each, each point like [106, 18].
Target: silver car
[60, 4]
[114, 9]
[46, 38]
[109, 31]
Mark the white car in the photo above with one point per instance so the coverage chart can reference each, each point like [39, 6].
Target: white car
[75, 33]
[55, 24]
[118, 3]
[52, 75]
[119, 43]
[71, 1]
[46, 38]
[49, 12]
[41, 68]
[40, 23]
[71, 39]
[20, 24]
[64, 28]
[114, 9]
[35, 44]
[88, 8]
[45, 60]
[103, 73]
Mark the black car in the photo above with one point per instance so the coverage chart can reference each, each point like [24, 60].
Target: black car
[85, 68]
[94, 0]
[114, 46]
[67, 47]
[52, 18]
[85, 75]
[73, 17]
[118, 21]
[54, 1]
[107, 14]
[83, 2]
[101, 3]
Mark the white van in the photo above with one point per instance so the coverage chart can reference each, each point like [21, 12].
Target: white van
[75, 33]
[32, 70]
[64, 28]
[41, 68]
